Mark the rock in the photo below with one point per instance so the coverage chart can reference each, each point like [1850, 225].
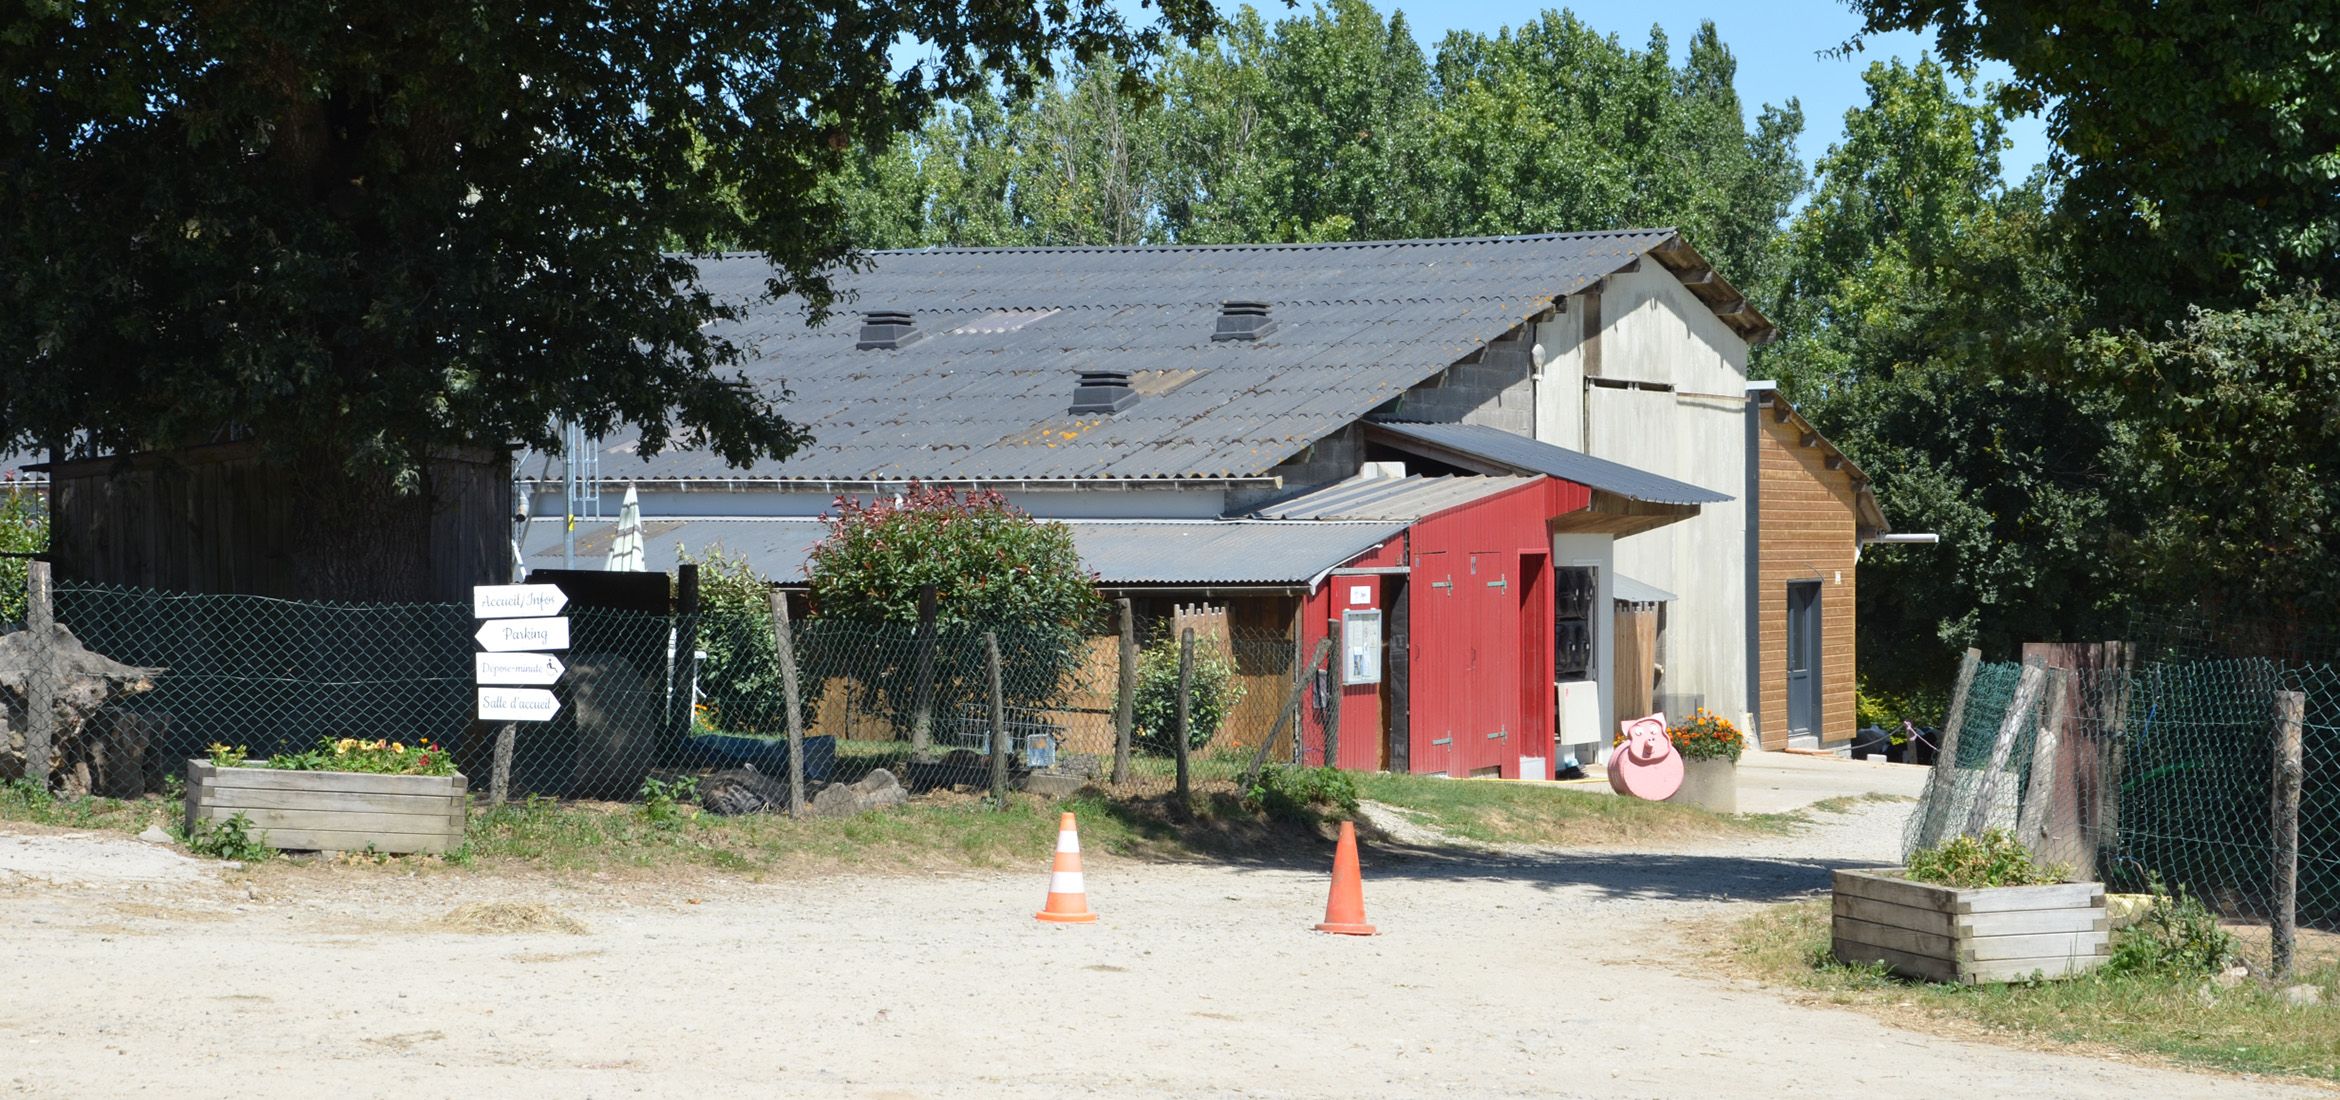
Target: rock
[93, 749]
[2232, 976]
[155, 834]
[742, 790]
[2302, 996]
[875, 791]
[2124, 910]
[1051, 785]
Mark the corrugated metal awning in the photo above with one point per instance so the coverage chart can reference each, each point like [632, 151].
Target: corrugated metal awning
[1497, 448]
[1625, 589]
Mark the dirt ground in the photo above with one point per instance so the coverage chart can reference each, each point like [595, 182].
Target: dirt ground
[134, 971]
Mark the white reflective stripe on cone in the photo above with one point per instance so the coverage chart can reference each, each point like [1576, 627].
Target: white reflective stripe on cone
[1066, 882]
[1068, 841]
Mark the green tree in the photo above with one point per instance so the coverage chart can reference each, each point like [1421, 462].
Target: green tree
[1555, 126]
[362, 233]
[2197, 143]
[1914, 288]
[2231, 473]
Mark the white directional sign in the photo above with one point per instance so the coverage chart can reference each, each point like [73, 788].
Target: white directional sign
[507, 601]
[506, 704]
[518, 635]
[515, 668]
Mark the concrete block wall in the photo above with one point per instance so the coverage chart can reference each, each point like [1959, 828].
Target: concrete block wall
[1336, 457]
[1496, 390]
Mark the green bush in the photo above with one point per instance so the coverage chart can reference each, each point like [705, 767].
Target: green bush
[1993, 859]
[24, 528]
[1212, 692]
[229, 839]
[2177, 935]
[739, 682]
[1303, 795]
[993, 568]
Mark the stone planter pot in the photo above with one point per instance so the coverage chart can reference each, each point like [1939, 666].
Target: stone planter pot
[1710, 785]
[1968, 936]
[332, 811]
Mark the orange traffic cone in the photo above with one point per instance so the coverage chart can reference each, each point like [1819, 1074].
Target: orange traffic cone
[1344, 911]
[1068, 896]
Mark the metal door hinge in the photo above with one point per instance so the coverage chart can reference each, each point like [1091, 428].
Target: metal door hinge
[1437, 741]
[1499, 735]
[1503, 583]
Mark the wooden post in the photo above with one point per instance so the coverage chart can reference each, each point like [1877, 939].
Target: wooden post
[784, 650]
[999, 737]
[1978, 816]
[40, 681]
[1943, 786]
[922, 703]
[2290, 711]
[1286, 715]
[500, 770]
[1125, 696]
[2039, 796]
[1185, 685]
[683, 689]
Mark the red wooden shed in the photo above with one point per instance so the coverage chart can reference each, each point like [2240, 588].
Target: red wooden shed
[1443, 633]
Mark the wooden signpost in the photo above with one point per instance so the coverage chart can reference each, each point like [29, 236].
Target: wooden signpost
[514, 672]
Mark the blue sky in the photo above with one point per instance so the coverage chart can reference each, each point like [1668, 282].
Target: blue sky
[1777, 45]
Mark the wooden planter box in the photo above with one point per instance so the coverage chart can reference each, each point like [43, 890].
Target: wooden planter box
[1710, 784]
[1990, 934]
[332, 811]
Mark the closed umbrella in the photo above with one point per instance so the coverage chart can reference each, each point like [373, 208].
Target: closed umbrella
[625, 551]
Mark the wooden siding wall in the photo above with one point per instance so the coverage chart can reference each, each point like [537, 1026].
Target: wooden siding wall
[217, 519]
[1807, 533]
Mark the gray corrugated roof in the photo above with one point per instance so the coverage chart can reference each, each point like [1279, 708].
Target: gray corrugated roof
[1194, 552]
[1519, 453]
[1399, 498]
[1627, 590]
[984, 395]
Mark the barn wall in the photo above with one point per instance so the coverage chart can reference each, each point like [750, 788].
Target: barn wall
[1683, 418]
[1807, 532]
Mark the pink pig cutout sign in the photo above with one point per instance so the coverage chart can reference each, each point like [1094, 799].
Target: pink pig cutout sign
[1645, 764]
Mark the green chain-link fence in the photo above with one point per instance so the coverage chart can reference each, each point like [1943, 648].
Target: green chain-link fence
[677, 697]
[2154, 769]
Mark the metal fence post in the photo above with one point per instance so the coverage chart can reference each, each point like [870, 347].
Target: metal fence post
[40, 681]
[1125, 697]
[1185, 720]
[784, 651]
[2290, 711]
[922, 703]
[999, 738]
[1287, 715]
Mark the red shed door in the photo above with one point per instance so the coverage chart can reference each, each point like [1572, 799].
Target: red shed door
[1435, 695]
[1493, 684]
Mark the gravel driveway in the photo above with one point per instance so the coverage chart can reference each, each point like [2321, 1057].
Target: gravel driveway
[1511, 975]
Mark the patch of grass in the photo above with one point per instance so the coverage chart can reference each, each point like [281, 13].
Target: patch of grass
[1528, 813]
[25, 802]
[2183, 1018]
[928, 833]
[1847, 803]
[511, 918]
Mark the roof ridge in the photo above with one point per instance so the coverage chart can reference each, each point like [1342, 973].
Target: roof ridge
[1278, 246]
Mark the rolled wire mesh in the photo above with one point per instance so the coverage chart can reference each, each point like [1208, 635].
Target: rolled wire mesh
[2157, 773]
